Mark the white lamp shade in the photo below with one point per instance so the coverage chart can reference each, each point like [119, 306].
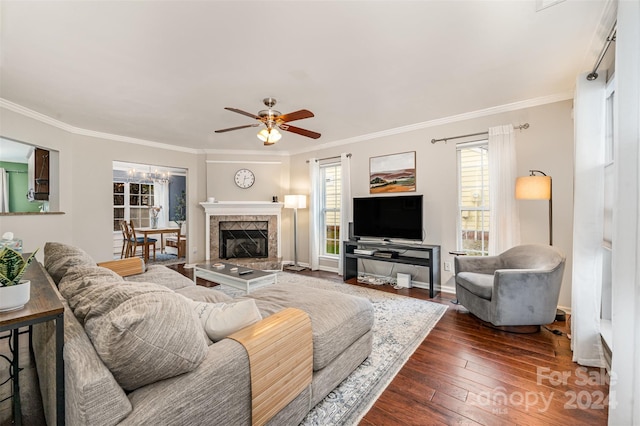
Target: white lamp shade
[269, 136]
[295, 202]
[533, 188]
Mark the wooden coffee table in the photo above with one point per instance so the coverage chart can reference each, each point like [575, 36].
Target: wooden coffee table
[235, 276]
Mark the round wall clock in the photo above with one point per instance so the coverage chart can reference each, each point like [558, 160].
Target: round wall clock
[244, 178]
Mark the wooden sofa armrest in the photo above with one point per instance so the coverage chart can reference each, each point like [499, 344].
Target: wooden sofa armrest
[125, 267]
[280, 349]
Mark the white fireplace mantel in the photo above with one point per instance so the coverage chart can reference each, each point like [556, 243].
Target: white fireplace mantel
[239, 208]
[220, 208]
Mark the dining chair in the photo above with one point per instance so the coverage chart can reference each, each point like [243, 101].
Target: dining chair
[125, 239]
[139, 242]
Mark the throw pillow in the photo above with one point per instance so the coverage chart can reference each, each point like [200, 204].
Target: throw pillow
[147, 338]
[222, 319]
[95, 291]
[59, 257]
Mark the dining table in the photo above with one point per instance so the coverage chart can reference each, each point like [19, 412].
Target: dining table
[145, 232]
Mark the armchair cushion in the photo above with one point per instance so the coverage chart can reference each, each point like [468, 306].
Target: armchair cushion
[479, 284]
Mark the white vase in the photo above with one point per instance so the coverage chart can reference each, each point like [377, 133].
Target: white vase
[15, 296]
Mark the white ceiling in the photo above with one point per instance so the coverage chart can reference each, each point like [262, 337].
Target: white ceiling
[163, 71]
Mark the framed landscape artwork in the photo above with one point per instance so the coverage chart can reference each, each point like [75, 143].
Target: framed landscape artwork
[392, 173]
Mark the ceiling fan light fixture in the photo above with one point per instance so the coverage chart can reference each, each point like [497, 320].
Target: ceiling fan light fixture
[269, 136]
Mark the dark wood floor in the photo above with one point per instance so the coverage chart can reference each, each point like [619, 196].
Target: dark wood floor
[466, 373]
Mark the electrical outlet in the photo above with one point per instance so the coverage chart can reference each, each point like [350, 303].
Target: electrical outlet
[447, 266]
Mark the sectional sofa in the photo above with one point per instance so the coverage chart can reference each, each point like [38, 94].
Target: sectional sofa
[136, 351]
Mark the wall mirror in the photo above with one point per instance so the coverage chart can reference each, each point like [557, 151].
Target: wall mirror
[29, 178]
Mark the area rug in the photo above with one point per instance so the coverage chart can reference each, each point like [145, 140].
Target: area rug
[165, 259]
[400, 325]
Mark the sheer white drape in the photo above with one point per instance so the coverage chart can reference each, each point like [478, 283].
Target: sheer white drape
[588, 205]
[161, 193]
[314, 212]
[345, 204]
[504, 223]
[4, 191]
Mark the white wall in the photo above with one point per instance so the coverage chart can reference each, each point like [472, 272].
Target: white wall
[271, 176]
[86, 166]
[86, 188]
[547, 146]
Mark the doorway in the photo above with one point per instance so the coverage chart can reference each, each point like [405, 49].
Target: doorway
[153, 199]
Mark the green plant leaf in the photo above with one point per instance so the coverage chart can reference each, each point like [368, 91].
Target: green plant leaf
[13, 266]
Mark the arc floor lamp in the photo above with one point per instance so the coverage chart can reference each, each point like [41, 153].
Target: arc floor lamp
[537, 187]
[295, 202]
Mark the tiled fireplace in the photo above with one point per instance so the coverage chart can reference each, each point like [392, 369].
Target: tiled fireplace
[243, 232]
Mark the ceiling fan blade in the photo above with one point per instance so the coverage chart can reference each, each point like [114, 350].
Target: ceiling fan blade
[297, 115]
[239, 111]
[236, 128]
[298, 130]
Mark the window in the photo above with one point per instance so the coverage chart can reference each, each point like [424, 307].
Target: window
[473, 198]
[330, 209]
[131, 201]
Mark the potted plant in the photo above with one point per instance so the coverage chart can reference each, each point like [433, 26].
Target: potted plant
[180, 209]
[14, 292]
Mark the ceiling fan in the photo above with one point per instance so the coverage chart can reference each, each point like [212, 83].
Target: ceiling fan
[274, 120]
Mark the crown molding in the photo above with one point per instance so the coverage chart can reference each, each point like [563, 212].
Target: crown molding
[19, 109]
[241, 162]
[246, 152]
[514, 106]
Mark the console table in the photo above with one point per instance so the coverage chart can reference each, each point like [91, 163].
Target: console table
[44, 305]
[425, 255]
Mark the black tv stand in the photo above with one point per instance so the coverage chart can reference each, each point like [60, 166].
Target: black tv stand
[431, 259]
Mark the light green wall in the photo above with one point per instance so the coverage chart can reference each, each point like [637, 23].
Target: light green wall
[18, 187]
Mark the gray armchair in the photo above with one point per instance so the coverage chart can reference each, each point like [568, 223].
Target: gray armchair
[517, 290]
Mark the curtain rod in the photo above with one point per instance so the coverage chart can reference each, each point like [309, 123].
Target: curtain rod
[16, 171]
[519, 127]
[330, 158]
[611, 38]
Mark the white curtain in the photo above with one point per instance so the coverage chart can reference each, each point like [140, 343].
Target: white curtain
[4, 191]
[588, 205]
[161, 189]
[345, 204]
[504, 224]
[314, 212]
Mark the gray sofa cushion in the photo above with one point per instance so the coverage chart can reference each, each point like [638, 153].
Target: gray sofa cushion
[160, 274]
[479, 284]
[199, 293]
[98, 399]
[94, 291]
[147, 338]
[59, 257]
[338, 320]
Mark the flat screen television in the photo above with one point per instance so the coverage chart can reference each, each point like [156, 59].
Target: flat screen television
[388, 217]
